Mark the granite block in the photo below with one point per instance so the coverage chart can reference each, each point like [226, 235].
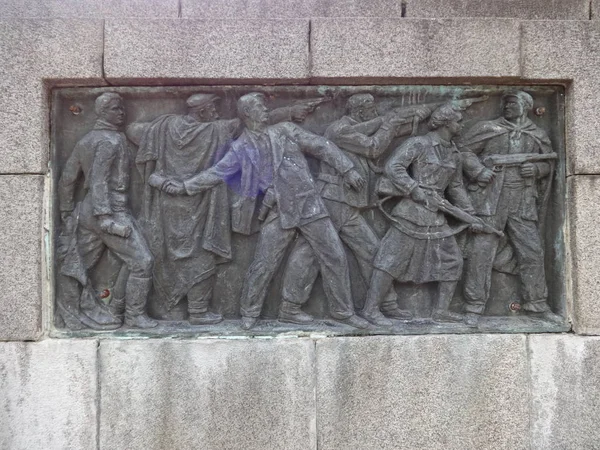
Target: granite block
[21, 203]
[435, 392]
[34, 54]
[50, 9]
[219, 51]
[214, 395]
[140, 8]
[567, 50]
[518, 9]
[594, 9]
[87, 9]
[414, 49]
[48, 392]
[584, 236]
[565, 392]
[289, 9]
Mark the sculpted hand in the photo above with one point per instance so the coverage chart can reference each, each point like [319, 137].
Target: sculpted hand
[422, 113]
[396, 121]
[67, 220]
[528, 170]
[173, 188]
[108, 225]
[301, 111]
[105, 223]
[486, 176]
[419, 196]
[353, 180]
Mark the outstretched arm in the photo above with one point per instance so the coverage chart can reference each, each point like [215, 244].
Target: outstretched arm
[356, 138]
[327, 151]
[207, 179]
[321, 148]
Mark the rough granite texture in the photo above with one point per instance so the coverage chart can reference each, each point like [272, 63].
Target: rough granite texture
[569, 50]
[522, 9]
[48, 392]
[214, 395]
[584, 216]
[32, 51]
[565, 391]
[87, 9]
[21, 200]
[423, 392]
[414, 48]
[212, 50]
[400, 392]
[290, 9]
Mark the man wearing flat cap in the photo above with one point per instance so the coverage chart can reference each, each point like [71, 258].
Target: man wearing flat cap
[510, 196]
[270, 159]
[188, 234]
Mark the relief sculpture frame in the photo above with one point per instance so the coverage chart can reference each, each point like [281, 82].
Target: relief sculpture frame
[265, 210]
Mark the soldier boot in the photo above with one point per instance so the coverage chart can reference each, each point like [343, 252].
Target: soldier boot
[136, 297]
[292, 313]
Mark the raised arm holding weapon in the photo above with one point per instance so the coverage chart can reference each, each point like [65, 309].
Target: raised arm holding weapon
[510, 163]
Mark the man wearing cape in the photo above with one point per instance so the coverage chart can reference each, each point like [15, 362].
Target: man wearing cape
[271, 159]
[512, 198]
[189, 235]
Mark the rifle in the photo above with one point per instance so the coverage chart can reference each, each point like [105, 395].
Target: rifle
[498, 162]
[386, 187]
[446, 207]
[413, 110]
[516, 159]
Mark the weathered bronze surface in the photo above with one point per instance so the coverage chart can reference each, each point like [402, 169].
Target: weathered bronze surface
[261, 210]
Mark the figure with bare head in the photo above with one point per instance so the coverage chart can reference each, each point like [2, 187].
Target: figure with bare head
[425, 173]
[268, 159]
[103, 219]
[363, 135]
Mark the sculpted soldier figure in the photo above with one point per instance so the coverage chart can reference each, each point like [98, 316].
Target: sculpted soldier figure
[189, 234]
[269, 159]
[420, 246]
[103, 219]
[510, 161]
[364, 136]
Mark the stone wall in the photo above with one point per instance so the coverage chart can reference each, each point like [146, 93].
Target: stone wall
[402, 392]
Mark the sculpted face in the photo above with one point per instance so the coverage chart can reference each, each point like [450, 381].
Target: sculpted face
[257, 112]
[208, 113]
[367, 111]
[513, 108]
[114, 112]
[455, 127]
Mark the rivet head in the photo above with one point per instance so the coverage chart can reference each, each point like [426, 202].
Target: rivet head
[75, 109]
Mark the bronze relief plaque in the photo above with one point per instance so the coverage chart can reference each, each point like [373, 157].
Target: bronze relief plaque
[254, 210]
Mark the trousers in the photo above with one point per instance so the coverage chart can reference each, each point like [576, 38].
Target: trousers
[325, 243]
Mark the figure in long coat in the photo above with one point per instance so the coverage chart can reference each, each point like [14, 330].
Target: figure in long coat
[189, 235]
